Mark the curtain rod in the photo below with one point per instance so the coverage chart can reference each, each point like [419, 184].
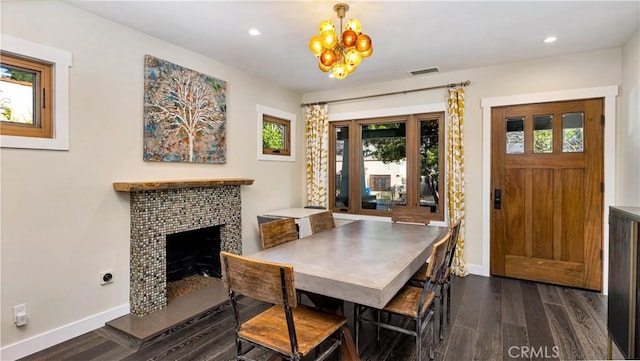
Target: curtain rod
[452, 85]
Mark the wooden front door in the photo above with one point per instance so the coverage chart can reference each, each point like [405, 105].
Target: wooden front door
[547, 192]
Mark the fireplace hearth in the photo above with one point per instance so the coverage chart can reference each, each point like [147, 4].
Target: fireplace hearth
[161, 209]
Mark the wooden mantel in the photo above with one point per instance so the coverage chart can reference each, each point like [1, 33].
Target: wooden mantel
[182, 183]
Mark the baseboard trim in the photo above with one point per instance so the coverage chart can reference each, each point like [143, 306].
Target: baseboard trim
[476, 269]
[47, 339]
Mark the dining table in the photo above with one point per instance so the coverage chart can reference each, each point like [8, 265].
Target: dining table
[364, 262]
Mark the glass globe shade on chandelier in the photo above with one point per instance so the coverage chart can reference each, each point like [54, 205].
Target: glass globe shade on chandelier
[342, 53]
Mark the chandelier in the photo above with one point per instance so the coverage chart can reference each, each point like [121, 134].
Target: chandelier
[340, 54]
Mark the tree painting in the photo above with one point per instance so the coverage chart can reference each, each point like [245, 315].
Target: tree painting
[184, 114]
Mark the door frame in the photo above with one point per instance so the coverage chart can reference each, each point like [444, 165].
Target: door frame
[609, 93]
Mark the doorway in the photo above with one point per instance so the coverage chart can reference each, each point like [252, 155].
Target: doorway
[547, 192]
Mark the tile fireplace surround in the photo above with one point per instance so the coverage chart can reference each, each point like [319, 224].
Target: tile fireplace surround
[166, 207]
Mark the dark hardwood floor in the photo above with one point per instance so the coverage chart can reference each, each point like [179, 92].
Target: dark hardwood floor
[491, 319]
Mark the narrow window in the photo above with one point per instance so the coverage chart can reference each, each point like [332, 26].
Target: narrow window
[26, 93]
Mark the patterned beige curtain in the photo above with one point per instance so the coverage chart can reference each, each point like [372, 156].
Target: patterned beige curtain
[455, 172]
[317, 146]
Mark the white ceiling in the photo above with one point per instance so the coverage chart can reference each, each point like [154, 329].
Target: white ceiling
[407, 35]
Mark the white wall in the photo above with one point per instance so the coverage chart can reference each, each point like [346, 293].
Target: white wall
[628, 133]
[62, 222]
[584, 70]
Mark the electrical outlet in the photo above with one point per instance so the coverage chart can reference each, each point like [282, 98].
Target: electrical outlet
[106, 277]
[20, 314]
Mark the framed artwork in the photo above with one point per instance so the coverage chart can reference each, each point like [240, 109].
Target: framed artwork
[184, 114]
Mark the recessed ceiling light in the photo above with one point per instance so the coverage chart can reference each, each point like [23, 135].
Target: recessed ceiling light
[550, 39]
[254, 32]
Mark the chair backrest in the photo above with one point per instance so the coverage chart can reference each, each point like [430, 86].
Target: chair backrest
[277, 232]
[266, 281]
[453, 241]
[321, 221]
[438, 256]
[435, 270]
[265, 219]
[409, 214]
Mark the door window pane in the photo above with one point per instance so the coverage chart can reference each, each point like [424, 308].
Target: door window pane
[515, 135]
[342, 166]
[384, 154]
[572, 132]
[543, 133]
[429, 196]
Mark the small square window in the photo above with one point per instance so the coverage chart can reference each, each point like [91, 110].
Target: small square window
[276, 134]
[26, 91]
[36, 116]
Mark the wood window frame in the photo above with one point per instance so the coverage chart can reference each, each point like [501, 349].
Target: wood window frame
[287, 119]
[413, 166]
[61, 61]
[286, 150]
[42, 126]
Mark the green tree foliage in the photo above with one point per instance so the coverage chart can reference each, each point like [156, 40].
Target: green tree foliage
[272, 136]
[393, 149]
[543, 141]
[21, 75]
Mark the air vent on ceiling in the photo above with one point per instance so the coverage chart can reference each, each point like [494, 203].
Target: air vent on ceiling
[424, 71]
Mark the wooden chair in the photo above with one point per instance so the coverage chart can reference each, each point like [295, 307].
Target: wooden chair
[321, 221]
[289, 330]
[277, 232]
[415, 303]
[445, 282]
[409, 215]
[265, 219]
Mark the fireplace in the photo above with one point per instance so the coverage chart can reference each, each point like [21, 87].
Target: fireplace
[162, 209]
[195, 252]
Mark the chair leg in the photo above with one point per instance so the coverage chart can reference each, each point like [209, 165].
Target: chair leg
[356, 325]
[441, 312]
[448, 302]
[238, 348]
[433, 340]
[377, 326]
[419, 339]
[341, 335]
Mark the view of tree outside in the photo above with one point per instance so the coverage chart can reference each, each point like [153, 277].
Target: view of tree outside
[273, 135]
[572, 140]
[572, 132]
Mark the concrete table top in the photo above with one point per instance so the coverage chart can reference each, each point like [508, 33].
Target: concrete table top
[365, 262]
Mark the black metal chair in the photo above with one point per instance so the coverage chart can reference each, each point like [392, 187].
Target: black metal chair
[445, 282]
[414, 303]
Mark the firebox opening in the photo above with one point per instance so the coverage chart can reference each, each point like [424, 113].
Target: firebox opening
[193, 260]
